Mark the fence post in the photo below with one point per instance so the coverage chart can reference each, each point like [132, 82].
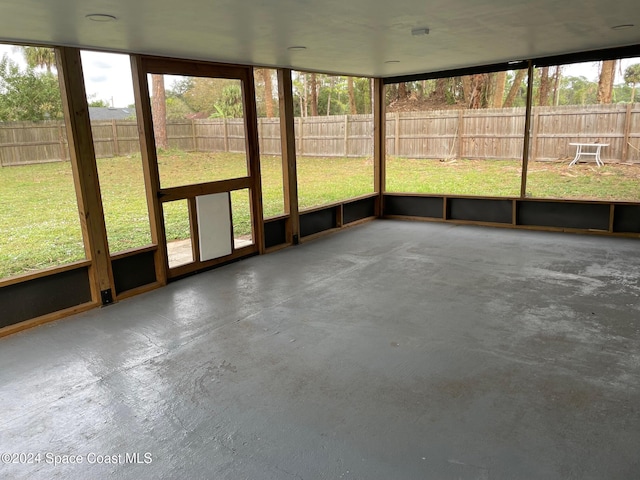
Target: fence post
[396, 134]
[226, 134]
[346, 136]
[14, 151]
[627, 131]
[460, 133]
[194, 137]
[116, 143]
[534, 134]
[300, 137]
[63, 151]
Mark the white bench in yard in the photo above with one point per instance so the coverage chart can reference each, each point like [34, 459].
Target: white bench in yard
[581, 153]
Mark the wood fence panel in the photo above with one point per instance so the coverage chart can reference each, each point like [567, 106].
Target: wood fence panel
[210, 135]
[390, 143]
[481, 134]
[360, 136]
[493, 133]
[236, 135]
[633, 137]
[127, 136]
[560, 126]
[103, 139]
[180, 136]
[24, 143]
[324, 136]
[269, 136]
[425, 134]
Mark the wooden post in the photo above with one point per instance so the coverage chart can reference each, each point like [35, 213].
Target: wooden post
[460, 134]
[346, 136]
[527, 133]
[253, 154]
[85, 173]
[396, 134]
[627, 131]
[63, 150]
[300, 136]
[226, 134]
[379, 143]
[612, 215]
[116, 143]
[193, 228]
[534, 134]
[150, 166]
[288, 145]
[194, 137]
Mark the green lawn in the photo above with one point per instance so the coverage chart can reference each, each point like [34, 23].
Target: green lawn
[39, 224]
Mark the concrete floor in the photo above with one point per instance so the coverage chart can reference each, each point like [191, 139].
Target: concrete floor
[392, 350]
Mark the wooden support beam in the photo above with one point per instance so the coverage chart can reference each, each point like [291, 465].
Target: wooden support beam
[379, 143]
[253, 154]
[288, 141]
[85, 173]
[150, 166]
[527, 131]
[194, 230]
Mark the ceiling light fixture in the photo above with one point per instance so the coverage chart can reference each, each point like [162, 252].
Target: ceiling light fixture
[624, 26]
[297, 48]
[416, 32]
[101, 17]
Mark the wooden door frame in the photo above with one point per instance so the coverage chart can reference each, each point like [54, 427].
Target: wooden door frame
[142, 66]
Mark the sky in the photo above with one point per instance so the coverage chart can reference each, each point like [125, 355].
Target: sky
[108, 75]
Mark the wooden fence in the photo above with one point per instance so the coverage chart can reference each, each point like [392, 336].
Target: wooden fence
[481, 134]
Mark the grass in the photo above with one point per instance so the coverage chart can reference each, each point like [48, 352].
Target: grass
[39, 224]
[497, 178]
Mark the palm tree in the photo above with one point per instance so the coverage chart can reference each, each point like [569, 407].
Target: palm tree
[40, 57]
[632, 76]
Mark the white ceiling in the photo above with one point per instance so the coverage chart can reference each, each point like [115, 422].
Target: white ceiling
[352, 37]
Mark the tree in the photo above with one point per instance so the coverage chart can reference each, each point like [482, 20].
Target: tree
[632, 77]
[478, 82]
[605, 83]
[556, 85]
[159, 111]
[577, 91]
[439, 93]
[544, 87]
[515, 87]
[40, 57]
[230, 104]
[29, 95]
[331, 84]
[95, 102]
[498, 93]
[201, 94]
[313, 88]
[352, 96]
[268, 92]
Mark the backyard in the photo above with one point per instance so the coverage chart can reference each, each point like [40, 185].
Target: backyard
[39, 219]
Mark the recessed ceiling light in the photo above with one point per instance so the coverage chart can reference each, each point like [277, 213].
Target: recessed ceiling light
[392, 61]
[101, 17]
[297, 48]
[623, 26]
[420, 31]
